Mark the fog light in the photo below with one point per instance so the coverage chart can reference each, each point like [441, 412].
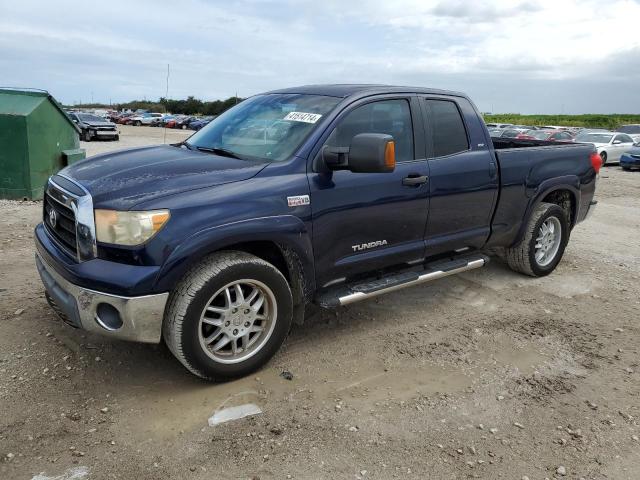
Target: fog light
[108, 317]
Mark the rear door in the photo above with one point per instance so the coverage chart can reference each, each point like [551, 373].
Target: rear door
[367, 221]
[463, 176]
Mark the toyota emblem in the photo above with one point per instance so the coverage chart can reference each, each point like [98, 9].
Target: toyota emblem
[53, 218]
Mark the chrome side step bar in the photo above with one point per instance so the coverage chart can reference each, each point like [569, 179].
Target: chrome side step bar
[349, 294]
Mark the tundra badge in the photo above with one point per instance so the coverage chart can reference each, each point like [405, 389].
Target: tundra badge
[367, 246]
[298, 200]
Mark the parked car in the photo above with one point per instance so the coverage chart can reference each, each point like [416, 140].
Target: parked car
[183, 122]
[511, 133]
[199, 123]
[94, 127]
[610, 145]
[632, 130]
[631, 159]
[145, 119]
[125, 118]
[546, 135]
[165, 119]
[499, 125]
[341, 199]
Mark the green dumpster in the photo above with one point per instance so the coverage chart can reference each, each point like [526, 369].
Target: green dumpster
[37, 139]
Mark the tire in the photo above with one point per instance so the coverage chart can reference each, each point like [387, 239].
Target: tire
[86, 135]
[522, 258]
[116, 138]
[186, 326]
[137, 123]
[184, 127]
[603, 156]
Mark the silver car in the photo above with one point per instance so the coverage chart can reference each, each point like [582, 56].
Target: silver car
[610, 145]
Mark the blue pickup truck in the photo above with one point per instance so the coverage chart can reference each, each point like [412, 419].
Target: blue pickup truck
[325, 195]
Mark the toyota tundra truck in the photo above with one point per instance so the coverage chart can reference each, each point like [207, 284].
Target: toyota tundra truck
[325, 195]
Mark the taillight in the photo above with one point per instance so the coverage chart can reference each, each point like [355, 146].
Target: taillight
[596, 161]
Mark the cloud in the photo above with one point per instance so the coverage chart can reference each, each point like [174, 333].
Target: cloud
[218, 48]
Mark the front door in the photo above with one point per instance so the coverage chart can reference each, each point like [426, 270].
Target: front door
[367, 221]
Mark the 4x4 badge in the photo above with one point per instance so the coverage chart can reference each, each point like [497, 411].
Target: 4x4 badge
[298, 200]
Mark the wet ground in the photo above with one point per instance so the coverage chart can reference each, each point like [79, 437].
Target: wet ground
[485, 375]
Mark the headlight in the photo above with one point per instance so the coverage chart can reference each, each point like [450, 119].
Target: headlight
[128, 228]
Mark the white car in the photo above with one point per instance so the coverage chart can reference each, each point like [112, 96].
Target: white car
[610, 145]
[499, 125]
[146, 119]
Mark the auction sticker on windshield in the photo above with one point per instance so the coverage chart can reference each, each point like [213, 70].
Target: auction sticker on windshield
[303, 117]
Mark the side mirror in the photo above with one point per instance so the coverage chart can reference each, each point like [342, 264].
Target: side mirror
[617, 142]
[368, 153]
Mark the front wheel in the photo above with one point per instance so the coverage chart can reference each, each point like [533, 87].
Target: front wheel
[545, 239]
[228, 316]
[86, 135]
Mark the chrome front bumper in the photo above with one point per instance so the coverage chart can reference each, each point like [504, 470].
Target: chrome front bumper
[137, 319]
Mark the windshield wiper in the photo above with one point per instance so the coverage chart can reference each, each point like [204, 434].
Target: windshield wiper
[220, 151]
[185, 144]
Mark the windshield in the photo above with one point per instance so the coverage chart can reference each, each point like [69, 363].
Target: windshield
[265, 127]
[594, 137]
[85, 117]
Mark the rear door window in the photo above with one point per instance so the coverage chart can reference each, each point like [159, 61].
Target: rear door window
[624, 138]
[449, 135]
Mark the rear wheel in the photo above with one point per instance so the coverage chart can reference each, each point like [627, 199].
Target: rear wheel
[543, 244]
[603, 156]
[137, 123]
[228, 316]
[86, 135]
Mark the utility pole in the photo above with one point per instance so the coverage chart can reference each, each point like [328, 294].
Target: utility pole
[166, 97]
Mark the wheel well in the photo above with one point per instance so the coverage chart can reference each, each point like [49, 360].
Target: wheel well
[267, 251]
[566, 200]
[284, 259]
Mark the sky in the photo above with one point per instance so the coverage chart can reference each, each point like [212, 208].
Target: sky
[542, 56]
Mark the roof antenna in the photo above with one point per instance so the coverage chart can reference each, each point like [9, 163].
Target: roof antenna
[166, 98]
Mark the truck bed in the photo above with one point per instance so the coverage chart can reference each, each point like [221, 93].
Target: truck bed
[529, 166]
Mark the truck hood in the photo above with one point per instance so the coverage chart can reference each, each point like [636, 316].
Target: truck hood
[120, 180]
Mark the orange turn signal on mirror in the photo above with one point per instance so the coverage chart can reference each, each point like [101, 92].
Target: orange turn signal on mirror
[390, 155]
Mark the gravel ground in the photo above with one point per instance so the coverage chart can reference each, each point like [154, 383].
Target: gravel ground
[485, 375]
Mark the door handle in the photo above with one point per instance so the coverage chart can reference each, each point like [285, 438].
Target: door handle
[414, 180]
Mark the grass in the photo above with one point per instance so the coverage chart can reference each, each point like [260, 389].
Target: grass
[612, 121]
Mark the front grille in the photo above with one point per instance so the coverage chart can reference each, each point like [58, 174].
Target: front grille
[61, 224]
